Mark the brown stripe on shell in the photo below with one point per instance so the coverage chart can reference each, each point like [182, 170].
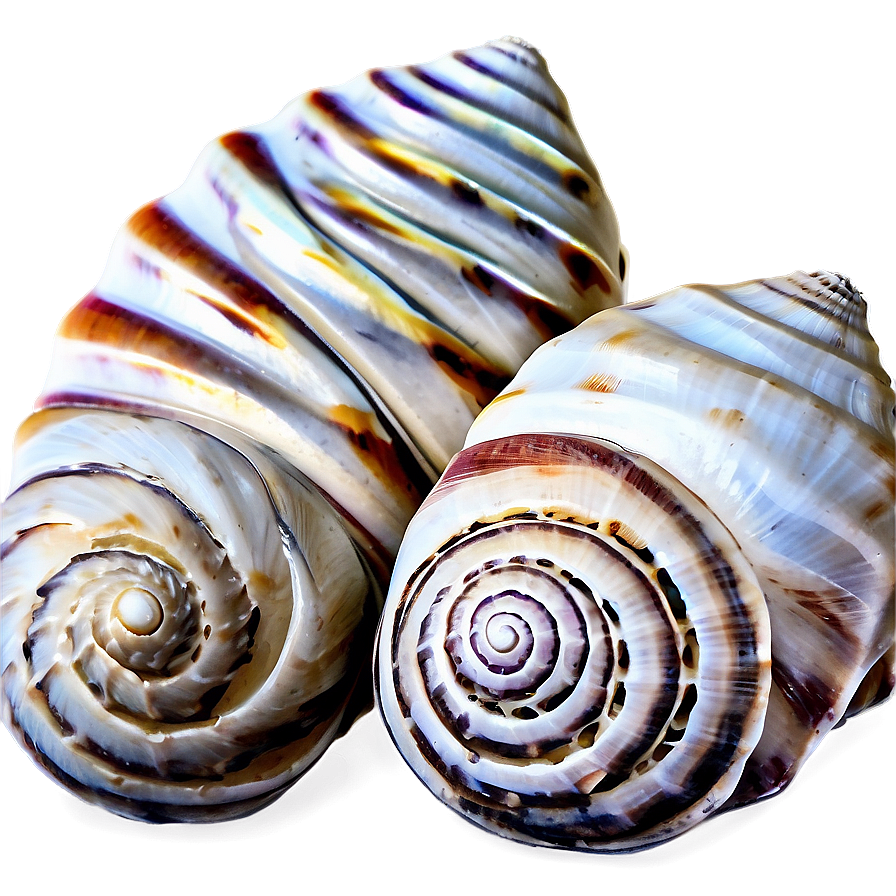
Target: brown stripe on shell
[359, 427]
[99, 320]
[339, 113]
[808, 696]
[252, 152]
[10, 544]
[463, 365]
[834, 606]
[350, 211]
[356, 133]
[159, 228]
[544, 317]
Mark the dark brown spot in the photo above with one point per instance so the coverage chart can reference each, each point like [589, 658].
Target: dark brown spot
[584, 271]
[481, 382]
[729, 418]
[760, 780]
[672, 594]
[576, 184]
[479, 277]
[623, 660]
[466, 192]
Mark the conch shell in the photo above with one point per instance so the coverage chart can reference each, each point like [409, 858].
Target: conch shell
[656, 605]
[243, 415]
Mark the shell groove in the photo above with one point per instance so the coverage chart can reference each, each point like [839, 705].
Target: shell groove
[756, 414]
[244, 413]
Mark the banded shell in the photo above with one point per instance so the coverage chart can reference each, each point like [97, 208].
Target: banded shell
[242, 416]
[654, 607]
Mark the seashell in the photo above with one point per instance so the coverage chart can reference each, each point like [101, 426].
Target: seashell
[656, 606]
[242, 416]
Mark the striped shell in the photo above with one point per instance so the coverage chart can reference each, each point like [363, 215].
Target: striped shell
[242, 416]
[655, 606]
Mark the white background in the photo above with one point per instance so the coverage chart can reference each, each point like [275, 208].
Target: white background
[735, 142]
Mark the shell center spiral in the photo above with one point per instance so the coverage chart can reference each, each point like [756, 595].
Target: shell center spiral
[502, 636]
[138, 611]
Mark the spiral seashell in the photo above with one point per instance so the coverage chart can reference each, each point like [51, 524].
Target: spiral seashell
[242, 416]
[656, 606]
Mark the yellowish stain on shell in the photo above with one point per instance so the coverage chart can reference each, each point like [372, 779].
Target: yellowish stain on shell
[601, 382]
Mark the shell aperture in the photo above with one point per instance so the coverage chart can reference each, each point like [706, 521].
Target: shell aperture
[242, 416]
[699, 539]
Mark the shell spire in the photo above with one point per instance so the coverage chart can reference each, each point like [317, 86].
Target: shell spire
[242, 416]
[756, 417]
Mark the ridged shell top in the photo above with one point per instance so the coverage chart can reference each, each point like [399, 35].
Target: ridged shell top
[377, 260]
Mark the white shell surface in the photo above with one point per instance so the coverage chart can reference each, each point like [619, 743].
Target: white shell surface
[767, 402]
[766, 399]
[308, 326]
[582, 658]
[125, 515]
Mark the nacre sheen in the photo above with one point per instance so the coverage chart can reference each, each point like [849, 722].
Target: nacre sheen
[694, 555]
[242, 416]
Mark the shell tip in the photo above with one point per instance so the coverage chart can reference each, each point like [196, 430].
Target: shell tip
[526, 53]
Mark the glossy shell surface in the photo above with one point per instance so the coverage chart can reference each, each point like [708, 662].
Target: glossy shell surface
[242, 416]
[655, 606]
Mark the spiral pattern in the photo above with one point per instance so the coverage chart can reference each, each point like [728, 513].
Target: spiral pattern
[162, 668]
[767, 399]
[583, 659]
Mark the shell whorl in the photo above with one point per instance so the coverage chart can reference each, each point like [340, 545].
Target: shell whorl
[376, 262]
[244, 413]
[171, 644]
[759, 414]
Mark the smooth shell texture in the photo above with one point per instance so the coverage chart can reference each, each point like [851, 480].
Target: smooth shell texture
[242, 416]
[705, 519]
